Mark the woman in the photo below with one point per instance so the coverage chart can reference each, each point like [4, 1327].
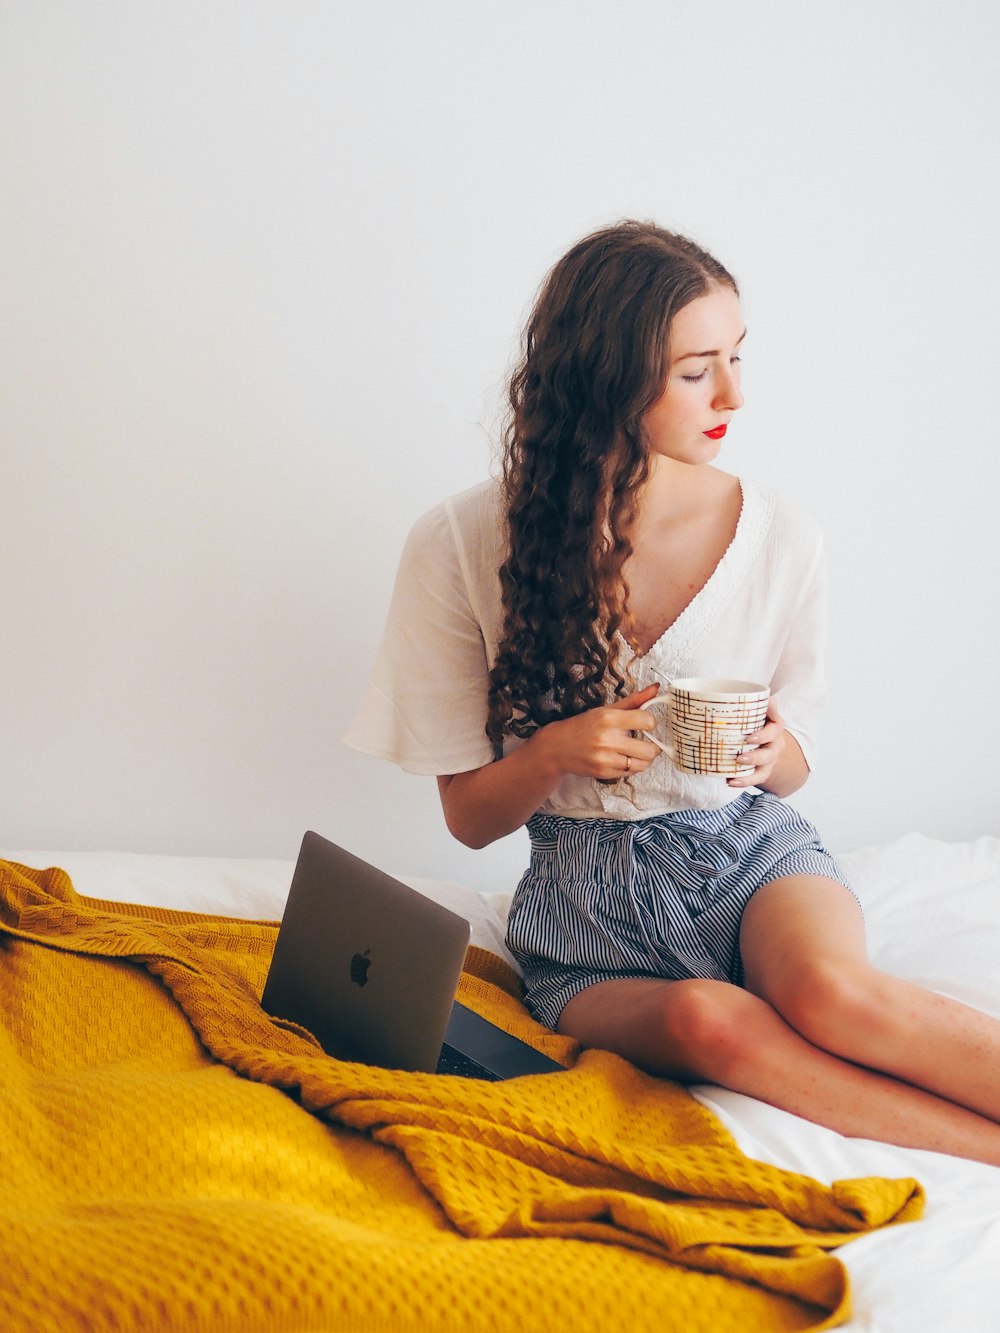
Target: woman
[693, 924]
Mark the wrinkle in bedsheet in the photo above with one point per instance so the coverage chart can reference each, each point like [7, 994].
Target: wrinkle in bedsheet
[176, 1159]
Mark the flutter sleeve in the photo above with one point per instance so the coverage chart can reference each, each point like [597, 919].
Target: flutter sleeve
[425, 706]
[798, 685]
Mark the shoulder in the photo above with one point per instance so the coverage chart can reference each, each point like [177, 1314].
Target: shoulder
[477, 511]
[787, 526]
[469, 524]
[479, 505]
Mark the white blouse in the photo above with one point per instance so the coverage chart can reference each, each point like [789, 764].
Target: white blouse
[760, 616]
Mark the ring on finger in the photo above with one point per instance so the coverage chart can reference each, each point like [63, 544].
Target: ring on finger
[628, 763]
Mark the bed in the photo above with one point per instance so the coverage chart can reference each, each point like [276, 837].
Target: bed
[933, 914]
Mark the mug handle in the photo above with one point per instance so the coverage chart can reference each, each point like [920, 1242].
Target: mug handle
[666, 749]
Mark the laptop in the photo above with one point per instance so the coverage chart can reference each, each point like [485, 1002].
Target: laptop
[370, 966]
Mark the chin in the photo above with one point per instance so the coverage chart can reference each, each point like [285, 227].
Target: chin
[705, 453]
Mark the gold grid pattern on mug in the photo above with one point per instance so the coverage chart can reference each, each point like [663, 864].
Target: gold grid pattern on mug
[708, 736]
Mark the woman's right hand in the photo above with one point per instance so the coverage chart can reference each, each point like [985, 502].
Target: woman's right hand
[599, 743]
[487, 803]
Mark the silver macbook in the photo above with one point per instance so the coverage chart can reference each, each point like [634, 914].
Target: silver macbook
[370, 967]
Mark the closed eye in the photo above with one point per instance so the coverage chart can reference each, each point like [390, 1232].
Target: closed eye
[734, 360]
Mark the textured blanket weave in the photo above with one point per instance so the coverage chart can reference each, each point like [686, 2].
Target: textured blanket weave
[173, 1159]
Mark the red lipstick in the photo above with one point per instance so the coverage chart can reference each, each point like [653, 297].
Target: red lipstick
[716, 434]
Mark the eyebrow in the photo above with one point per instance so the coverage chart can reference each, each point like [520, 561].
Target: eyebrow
[715, 351]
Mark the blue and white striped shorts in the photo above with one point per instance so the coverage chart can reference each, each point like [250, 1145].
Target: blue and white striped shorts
[660, 897]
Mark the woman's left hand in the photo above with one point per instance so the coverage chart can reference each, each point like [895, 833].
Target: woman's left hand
[770, 744]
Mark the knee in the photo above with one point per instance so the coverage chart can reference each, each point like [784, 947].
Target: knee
[710, 1027]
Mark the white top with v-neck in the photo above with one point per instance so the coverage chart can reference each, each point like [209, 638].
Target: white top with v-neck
[760, 617]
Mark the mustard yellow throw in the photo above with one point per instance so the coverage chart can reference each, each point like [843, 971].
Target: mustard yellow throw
[171, 1158]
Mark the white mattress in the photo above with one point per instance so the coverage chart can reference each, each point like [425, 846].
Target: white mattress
[933, 915]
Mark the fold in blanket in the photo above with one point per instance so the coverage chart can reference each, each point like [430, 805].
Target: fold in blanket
[175, 1159]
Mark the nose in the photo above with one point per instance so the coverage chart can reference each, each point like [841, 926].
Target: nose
[728, 397]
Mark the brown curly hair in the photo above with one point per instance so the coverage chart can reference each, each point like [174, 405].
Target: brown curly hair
[594, 360]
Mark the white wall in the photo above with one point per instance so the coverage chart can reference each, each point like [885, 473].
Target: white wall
[263, 267]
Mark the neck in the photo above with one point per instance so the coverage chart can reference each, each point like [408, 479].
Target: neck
[676, 490]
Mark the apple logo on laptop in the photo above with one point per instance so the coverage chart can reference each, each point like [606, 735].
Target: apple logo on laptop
[360, 964]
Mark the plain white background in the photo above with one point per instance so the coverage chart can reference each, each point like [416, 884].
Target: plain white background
[263, 270]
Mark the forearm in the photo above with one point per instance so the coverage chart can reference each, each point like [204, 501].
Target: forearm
[603, 743]
[488, 803]
[790, 772]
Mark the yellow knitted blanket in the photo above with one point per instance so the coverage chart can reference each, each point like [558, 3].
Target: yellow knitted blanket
[171, 1158]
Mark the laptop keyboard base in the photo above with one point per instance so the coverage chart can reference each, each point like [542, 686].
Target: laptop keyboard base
[463, 1066]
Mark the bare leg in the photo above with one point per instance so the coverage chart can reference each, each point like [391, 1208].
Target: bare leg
[804, 952]
[713, 1032]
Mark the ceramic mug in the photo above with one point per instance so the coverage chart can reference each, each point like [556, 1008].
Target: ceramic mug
[709, 721]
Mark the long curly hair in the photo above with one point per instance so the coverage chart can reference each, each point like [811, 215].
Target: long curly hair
[594, 360]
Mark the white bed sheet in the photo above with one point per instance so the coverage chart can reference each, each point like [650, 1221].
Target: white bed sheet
[933, 915]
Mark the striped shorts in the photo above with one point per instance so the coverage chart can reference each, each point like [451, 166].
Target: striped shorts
[660, 897]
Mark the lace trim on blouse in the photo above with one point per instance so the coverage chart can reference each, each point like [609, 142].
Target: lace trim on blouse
[666, 658]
